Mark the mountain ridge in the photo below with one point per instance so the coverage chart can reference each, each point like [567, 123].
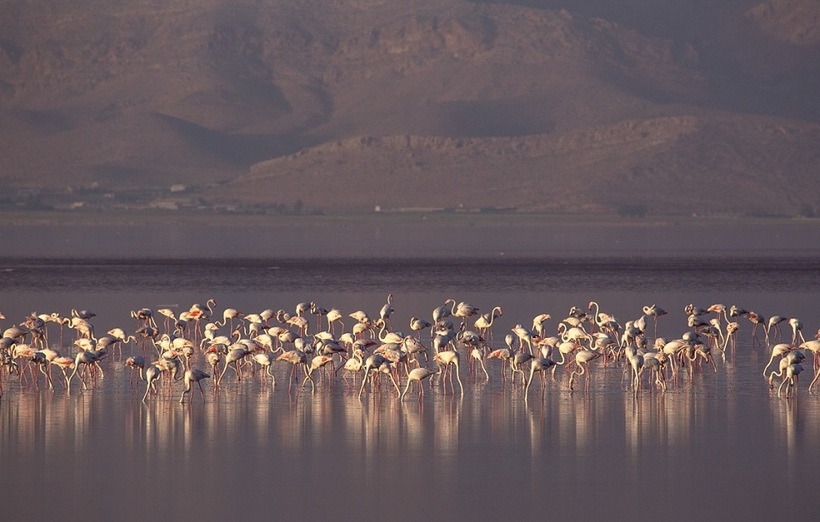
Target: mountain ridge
[415, 104]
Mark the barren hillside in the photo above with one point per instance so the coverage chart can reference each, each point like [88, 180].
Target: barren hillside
[543, 106]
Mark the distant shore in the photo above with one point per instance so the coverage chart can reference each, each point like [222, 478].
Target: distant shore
[157, 216]
[176, 234]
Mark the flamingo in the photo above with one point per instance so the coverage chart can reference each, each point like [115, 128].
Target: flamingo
[360, 316]
[234, 356]
[301, 323]
[691, 309]
[295, 358]
[121, 338]
[699, 351]
[265, 360]
[792, 373]
[656, 361]
[304, 308]
[55, 317]
[213, 359]
[632, 334]
[469, 338]
[360, 329]
[90, 359]
[39, 358]
[636, 361]
[502, 354]
[814, 347]
[204, 310]
[352, 366]
[82, 314]
[655, 312]
[417, 325]
[314, 309]
[334, 316]
[387, 368]
[146, 333]
[36, 327]
[373, 362]
[731, 335]
[793, 357]
[478, 354]
[720, 310]
[145, 316]
[446, 358]
[566, 349]
[229, 314]
[105, 342]
[516, 362]
[736, 311]
[462, 309]
[169, 315]
[386, 336]
[524, 336]
[484, 323]
[15, 332]
[85, 330]
[694, 321]
[24, 354]
[65, 364]
[546, 345]
[137, 364]
[602, 320]
[673, 348]
[265, 341]
[386, 309]
[48, 356]
[416, 375]
[440, 313]
[152, 374]
[538, 324]
[7, 364]
[171, 366]
[442, 341]
[757, 320]
[198, 311]
[814, 380]
[413, 347]
[573, 333]
[582, 357]
[540, 365]
[286, 337]
[797, 330]
[394, 355]
[317, 362]
[774, 322]
[196, 375]
[778, 349]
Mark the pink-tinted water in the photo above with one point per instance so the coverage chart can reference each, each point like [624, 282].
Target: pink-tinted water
[714, 445]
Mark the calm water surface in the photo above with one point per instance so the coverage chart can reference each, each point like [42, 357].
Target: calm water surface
[714, 445]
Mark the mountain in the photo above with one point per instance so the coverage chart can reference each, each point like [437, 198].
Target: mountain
[568, 106]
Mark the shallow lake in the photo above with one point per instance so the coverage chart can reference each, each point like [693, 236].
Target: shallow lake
[714, 444]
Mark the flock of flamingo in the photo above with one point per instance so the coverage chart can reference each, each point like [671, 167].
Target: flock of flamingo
[318, 345]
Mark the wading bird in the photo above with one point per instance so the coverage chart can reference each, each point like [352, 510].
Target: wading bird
[417, 375]
[196, 375]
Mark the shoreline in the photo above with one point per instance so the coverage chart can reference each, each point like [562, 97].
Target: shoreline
[145, 217]
[169, 235]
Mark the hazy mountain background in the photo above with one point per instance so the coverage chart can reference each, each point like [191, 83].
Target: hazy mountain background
[656, 106]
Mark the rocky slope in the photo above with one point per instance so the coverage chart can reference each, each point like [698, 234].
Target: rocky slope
[550, 106]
